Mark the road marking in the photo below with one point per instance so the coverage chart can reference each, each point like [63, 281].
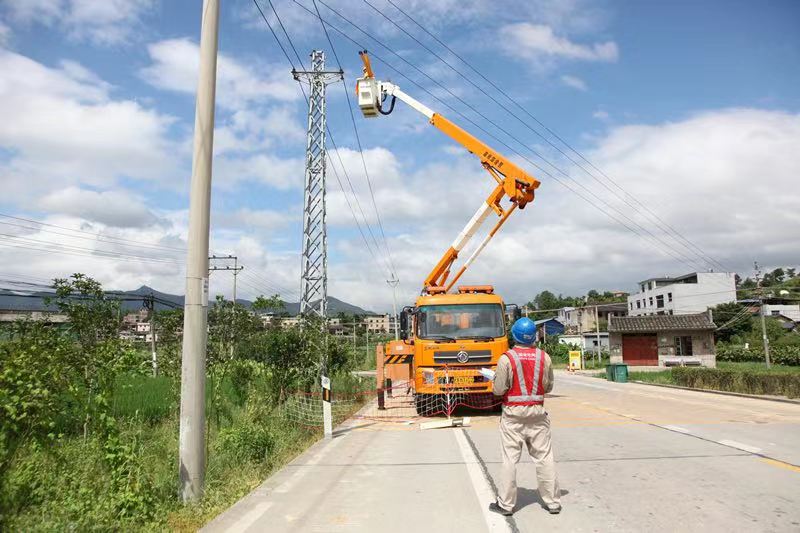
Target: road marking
[781, 464]
[678, 429]
[483, 491]
[739, 446]
[592, 385]
[250, 517]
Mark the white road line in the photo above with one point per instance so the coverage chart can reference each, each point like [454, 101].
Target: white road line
[592, 385]
[740, 446]
[250, 518]
[678, 429]
[494, 522]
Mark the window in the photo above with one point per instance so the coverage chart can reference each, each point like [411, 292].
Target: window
[651, 301]
[460, 321]
[631, 306]
[660, 301]
[775, 313]
[669, 296]
[683, 346]
[638, 304]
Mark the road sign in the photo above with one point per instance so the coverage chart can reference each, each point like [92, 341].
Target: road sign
[575, 360]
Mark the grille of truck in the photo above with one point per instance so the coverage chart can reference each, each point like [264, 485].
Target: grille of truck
[452, 356]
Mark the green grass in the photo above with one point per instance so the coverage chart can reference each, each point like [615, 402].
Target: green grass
[747, 378]
[68, 485]
[663, 377]
[759, 367]
[145, 397]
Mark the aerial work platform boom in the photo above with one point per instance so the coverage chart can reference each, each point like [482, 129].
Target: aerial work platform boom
[513, 183]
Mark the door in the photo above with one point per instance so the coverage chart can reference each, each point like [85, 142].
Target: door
[640, 350]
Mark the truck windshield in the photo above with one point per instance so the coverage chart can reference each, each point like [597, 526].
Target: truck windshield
[460, 321]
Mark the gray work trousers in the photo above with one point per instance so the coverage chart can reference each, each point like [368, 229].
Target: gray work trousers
[528, 425]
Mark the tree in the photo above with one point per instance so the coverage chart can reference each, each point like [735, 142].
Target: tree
[271, 303]
[732, 319]
[100, 355]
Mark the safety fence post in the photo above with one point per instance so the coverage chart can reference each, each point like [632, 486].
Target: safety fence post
[379, 379]
[327, 420]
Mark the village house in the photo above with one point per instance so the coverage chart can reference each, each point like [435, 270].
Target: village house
[663, 340]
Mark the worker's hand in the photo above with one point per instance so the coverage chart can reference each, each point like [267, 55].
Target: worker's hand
[487, 373]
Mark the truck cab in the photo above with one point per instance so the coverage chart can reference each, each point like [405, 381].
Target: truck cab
[452, 336]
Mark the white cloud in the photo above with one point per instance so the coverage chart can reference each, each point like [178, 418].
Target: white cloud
[107, 22]
[601, 115]
[538, 41]
[574, 82]
[174, 68]
[5, 34]
[114, 208]
[61, 126]
[724, 179]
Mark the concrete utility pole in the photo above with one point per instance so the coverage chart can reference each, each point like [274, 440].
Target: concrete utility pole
[597, 332]
[761, 312]
[314, 275]
[235, 269]
[191, 446]
[150, 304]
[393, 283]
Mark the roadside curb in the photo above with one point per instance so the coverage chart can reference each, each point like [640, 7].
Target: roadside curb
[723, 393]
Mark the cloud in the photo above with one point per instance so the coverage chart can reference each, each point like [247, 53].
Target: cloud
[5, 34]
[62, 126]
[725, 179]
[174, 65]
[538, 41]
[574, 82]
[114, 208]
[107, 22]
[601, 115]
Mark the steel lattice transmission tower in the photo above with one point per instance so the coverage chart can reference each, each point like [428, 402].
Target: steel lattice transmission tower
[314, 281]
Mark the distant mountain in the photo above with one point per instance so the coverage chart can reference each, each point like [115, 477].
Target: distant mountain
[132, 301]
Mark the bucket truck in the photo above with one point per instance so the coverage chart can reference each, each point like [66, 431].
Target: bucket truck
[451, 334]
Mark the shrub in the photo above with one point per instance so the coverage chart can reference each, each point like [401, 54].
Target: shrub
[782, 354]
[246, 441]
[743, 381]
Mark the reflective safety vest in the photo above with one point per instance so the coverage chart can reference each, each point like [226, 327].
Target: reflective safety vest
[527, 386]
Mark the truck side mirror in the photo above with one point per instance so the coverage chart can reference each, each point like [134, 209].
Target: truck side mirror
[404, 324]
[513, 313]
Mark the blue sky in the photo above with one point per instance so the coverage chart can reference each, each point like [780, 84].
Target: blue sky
[690, 107]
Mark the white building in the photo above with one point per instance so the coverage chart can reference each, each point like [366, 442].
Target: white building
[791, 312]
[692, 293]
[587, 342]
[379, 323]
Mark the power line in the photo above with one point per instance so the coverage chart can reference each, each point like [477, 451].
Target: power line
[688, 244]
[358, 142]
[507, 133]
[669, 249]
[95, 235]
[330, 134]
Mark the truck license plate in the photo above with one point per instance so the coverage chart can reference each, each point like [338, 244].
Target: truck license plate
[463, 380]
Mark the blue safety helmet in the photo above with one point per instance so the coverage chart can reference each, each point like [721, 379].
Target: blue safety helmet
[524, 331]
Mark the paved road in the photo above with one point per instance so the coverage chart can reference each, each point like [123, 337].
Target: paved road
[630, 458]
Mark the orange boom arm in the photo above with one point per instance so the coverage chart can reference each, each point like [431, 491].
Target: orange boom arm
[512, 182]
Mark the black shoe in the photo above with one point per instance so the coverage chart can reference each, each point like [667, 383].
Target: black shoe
[499, 510]
[554, 510]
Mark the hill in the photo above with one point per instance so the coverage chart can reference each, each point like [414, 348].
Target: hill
[25, 300]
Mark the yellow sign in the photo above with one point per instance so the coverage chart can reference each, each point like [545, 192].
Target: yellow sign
[575, 360]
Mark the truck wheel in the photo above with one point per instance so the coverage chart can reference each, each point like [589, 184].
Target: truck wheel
[422, 403]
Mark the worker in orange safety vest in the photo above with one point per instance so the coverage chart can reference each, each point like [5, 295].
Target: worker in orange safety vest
[524, 374]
